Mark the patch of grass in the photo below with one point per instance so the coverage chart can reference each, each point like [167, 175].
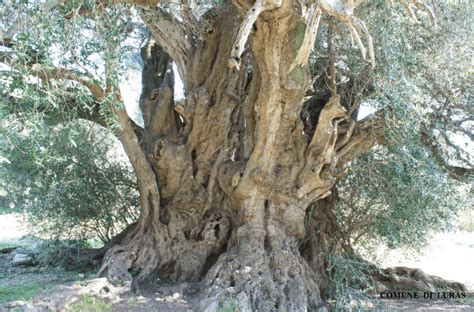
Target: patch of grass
[132, 301]
[227, 307]
[19, 292]
[90, 304]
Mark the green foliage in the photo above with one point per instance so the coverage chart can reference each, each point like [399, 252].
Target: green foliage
[401, 192]
[66, 179]
[90, 304]
[350, 285]
[228, 307]
[385, 197]
[65, 254]
[4, 210]
[25, 291]
[94, 54]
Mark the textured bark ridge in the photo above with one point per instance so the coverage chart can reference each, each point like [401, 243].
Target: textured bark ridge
[228, 177]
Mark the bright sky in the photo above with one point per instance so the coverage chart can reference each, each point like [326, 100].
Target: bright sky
[131, 87]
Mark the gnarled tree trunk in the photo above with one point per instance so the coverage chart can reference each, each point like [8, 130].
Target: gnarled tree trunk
[228, 177]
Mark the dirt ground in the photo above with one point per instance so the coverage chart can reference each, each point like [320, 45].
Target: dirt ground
[429, 306]
[25, 284]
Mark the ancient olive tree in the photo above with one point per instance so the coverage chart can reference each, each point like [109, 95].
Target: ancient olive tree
[236, 180]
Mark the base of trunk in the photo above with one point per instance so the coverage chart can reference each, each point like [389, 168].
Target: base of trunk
[252, 269]
[259, 269]
[262, 271]
[131, 261]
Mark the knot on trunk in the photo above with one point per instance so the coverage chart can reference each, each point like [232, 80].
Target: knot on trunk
[229, 175]
[194, 109]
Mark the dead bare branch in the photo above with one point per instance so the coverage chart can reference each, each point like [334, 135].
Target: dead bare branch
[246, 27]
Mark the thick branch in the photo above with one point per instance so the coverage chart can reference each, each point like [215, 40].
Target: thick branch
[147, 185]
[320, 151]
[454, 171]
[156, 100]
[170, 34]
[47, 73]
[361, 142]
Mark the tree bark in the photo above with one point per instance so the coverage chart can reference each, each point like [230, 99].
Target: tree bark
[227, 176]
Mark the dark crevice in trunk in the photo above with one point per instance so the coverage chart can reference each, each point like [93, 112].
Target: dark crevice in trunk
[266, 241]
[167, 270]
[211, 260]
[193, 162]
[164, 216]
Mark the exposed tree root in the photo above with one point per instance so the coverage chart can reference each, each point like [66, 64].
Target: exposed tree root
[166, 250]
[398, 278]
[63, 296]
[403, 278]
[8, 250]
[131, 261]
